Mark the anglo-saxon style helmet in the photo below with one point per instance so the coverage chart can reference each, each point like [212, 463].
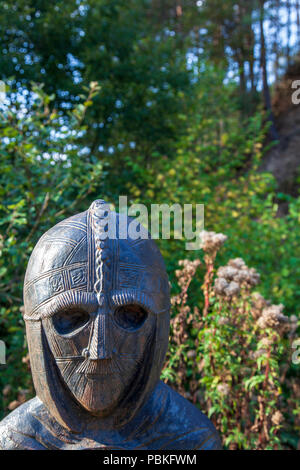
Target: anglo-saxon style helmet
[82, 279]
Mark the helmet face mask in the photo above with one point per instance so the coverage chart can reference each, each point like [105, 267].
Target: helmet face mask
[98, 354]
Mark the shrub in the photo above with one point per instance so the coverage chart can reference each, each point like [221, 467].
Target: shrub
[233, 358]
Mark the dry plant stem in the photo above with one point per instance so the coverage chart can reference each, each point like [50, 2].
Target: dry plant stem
[207, 286]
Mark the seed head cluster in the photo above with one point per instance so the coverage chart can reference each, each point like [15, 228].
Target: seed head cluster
[211, 242]
[233, 277]
[273, 317]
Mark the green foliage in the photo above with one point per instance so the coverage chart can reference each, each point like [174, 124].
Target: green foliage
[67, 44]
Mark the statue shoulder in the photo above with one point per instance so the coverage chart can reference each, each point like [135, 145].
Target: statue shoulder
[195, 430]
[19, 429]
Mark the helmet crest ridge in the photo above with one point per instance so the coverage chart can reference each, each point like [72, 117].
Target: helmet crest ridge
[100, 213]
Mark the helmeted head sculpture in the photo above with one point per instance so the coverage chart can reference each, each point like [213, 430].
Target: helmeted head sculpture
[97, 317]
[97, 304]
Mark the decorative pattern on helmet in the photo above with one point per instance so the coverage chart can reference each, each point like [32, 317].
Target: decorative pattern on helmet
[100, 214]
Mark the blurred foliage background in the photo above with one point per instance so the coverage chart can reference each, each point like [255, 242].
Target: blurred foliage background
[165, 101]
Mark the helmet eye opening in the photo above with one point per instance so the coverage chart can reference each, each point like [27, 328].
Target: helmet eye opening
[130, 317]
[70, 321]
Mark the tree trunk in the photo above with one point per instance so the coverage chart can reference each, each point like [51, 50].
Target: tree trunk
[288, 33]
[263, 64]
[298, 24]
[276, 43]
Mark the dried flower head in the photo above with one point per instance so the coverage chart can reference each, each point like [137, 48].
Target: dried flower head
[272, 317]
[211, 242]
[237, 271]
[227, 272]
[226, 289]
[187, 272]
[220, 285]
[232, 289]
[237, 263]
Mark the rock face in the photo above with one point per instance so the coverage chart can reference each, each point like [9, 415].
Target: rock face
[97, 321]
[283, 161]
